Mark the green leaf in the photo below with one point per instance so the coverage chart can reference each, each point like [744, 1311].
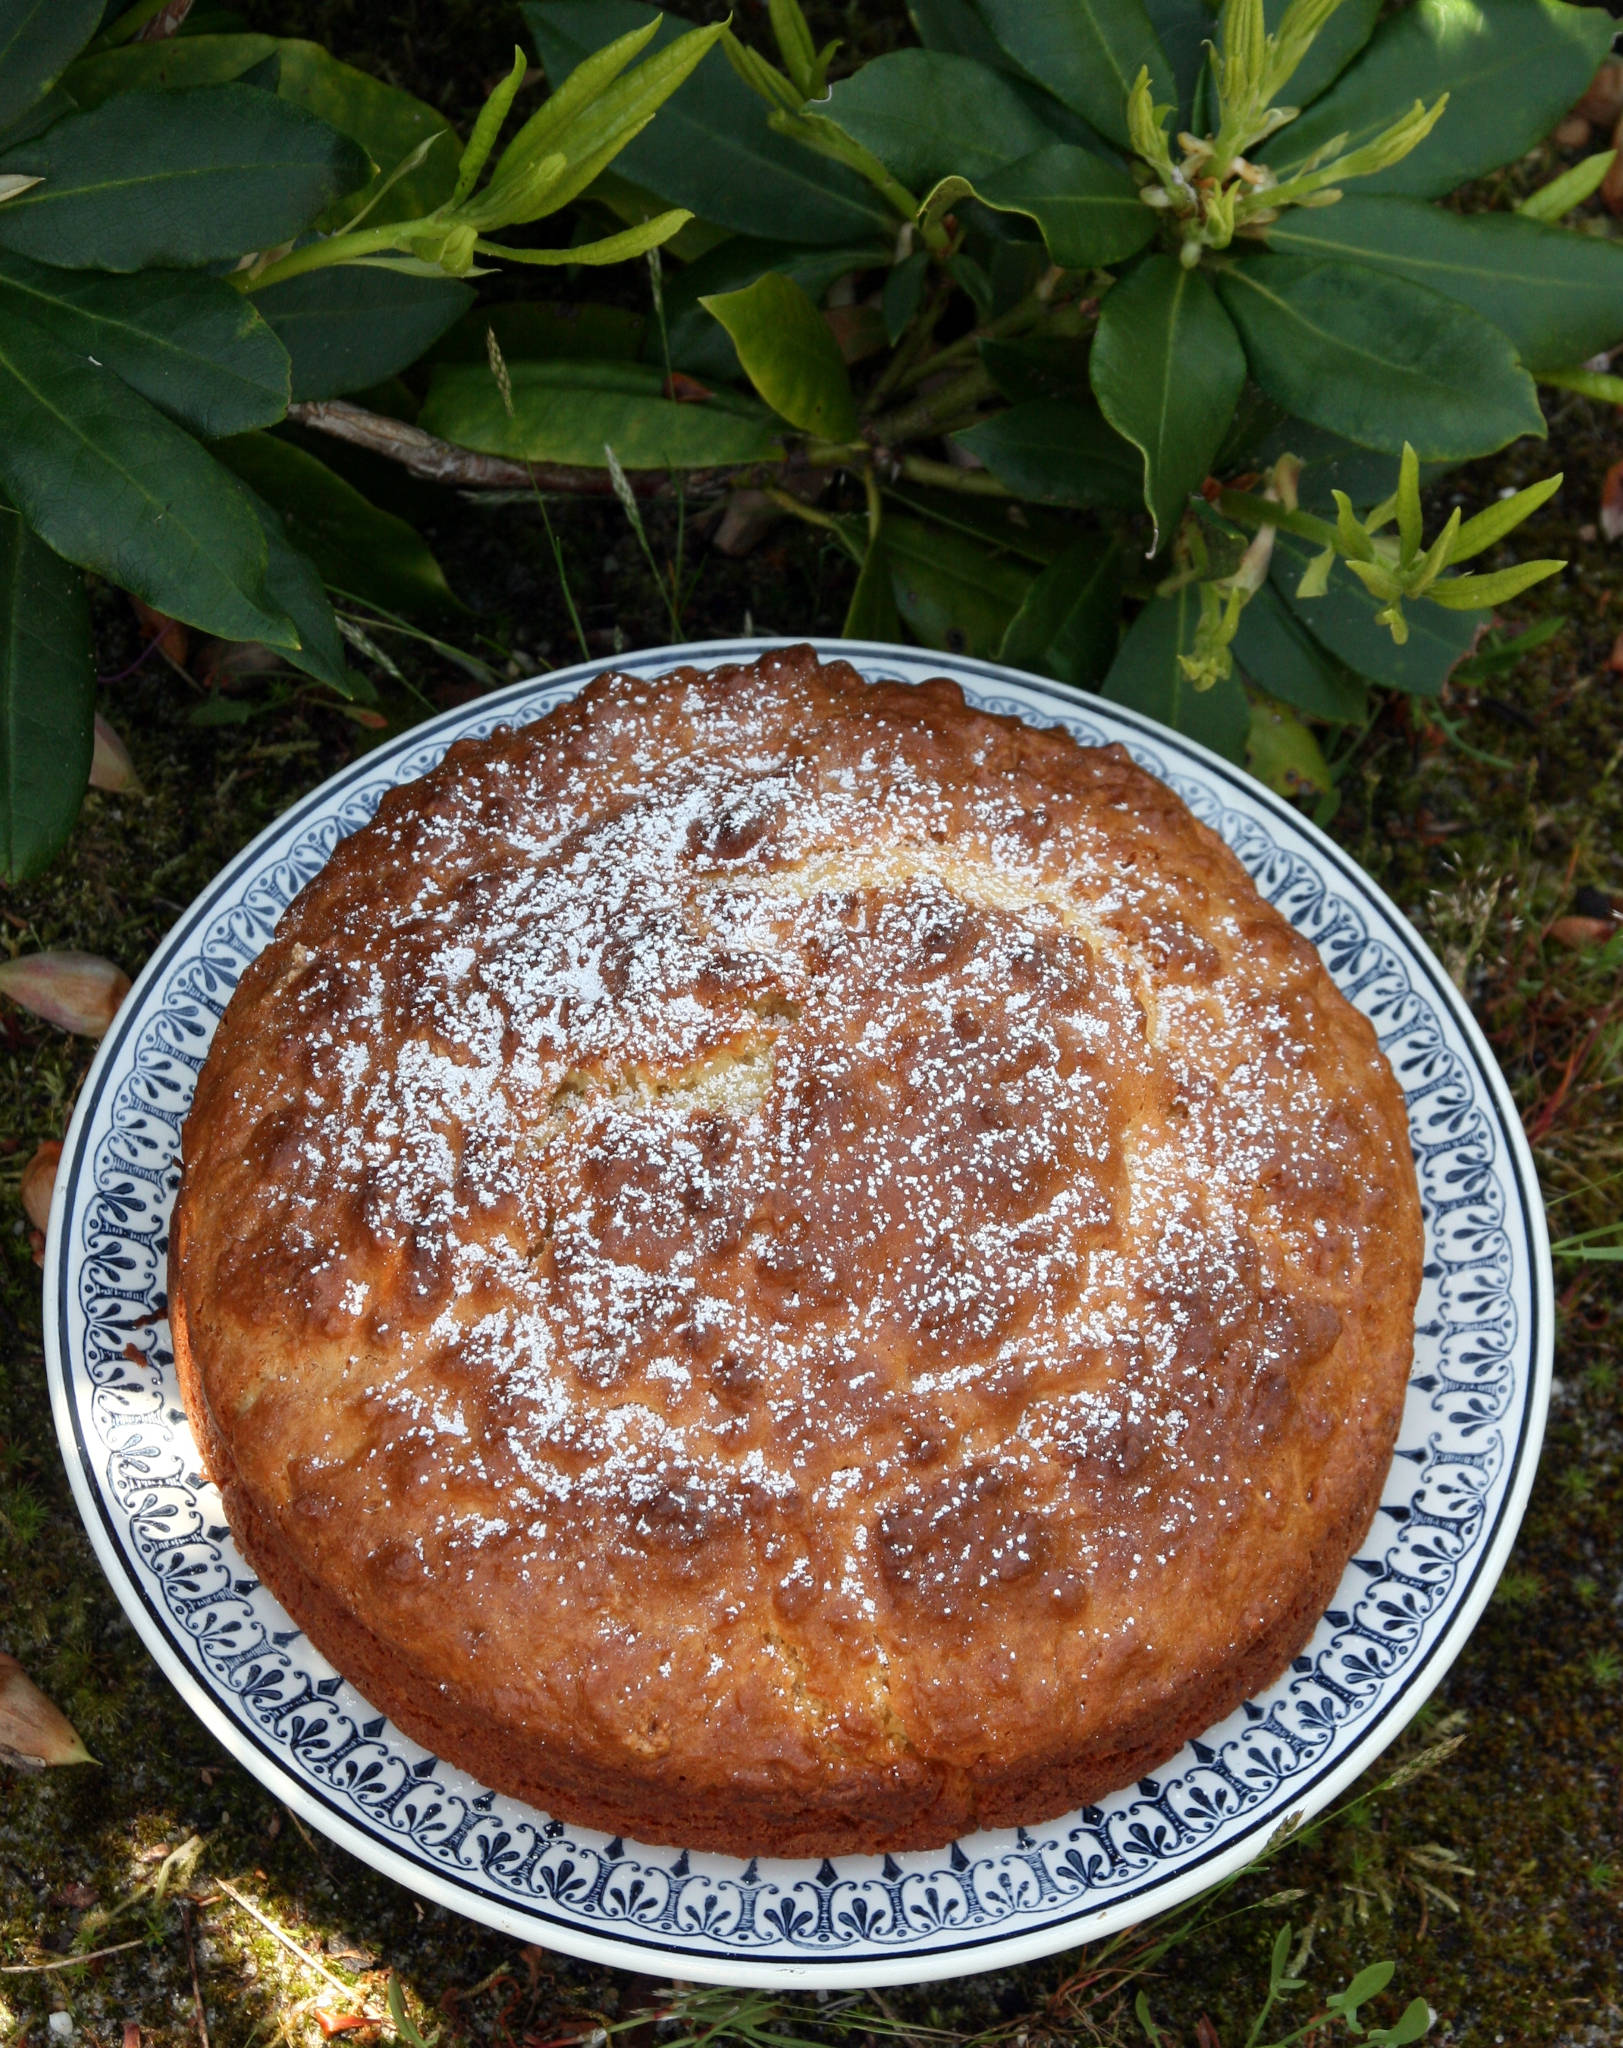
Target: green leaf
[952, 593]
[1042, 366]
[174, 178]
[954, 27]
[38, 39]
[388, 125]
[699, 343]
[1343, 621]
[386, 122]
[1147, 677]
[1281, 752]
[1511, 69]
[294, 582]
[111, 484]
[712, 149]
[1558, 295]
[1057, 453]
[1414, 2023]
[189, 342]
[358, 549]
[904, 293]
[789, 355]
[567, 411]
[1280, 655]
[872, 613]
[1574, 185]
[350, 327]
[1378, 359]
[527, 329]
[1332, 49]
[47, 698]
[1183, 28]
[926, 115]
[1067, 626]
[1168, 372]
[634, 241]
[1086, 52]
[1089, 210]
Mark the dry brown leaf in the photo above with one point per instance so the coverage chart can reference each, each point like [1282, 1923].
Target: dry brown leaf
[76, 991]
[1611, 503]
[110, 763]
[39, 1177]
[132, 2034]
[1604, 100]
[33, 1733]
[171, 636]
[1579, 932]
[332, 2023]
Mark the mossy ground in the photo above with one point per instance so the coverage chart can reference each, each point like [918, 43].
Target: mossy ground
[1495, 1880]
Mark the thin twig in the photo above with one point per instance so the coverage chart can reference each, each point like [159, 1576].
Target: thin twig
[281, 1934]
[67, 1962]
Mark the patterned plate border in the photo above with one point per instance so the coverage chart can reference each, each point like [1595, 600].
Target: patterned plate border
[1459, 1481]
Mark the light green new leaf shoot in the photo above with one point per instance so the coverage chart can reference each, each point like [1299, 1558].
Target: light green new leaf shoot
[487, 127]
[1315, 578]
[1571, 189]
[1290, 42]
[1419, 577]
[1499, 586]
[761, 77]
[1355, 542]
[1388, 148]
[523, 195]
[801, 59]
[1480, 533]
[1408, 506]
[580, 91]
[620, 248]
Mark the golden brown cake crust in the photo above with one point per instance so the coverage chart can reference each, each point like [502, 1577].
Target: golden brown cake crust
[776, 1263]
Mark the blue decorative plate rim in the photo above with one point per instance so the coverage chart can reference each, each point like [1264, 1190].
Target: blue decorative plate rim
[994, 1899]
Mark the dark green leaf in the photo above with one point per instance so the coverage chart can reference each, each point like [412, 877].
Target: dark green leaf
[359, 550]
[1332, 49]
[872, 613]
[952, 593]
[1332, 463]
[1089, 210]
[1168, 371]
[1086, 52]
[1283, 754]
[47, 698]
[1377, 359]
[174, 178]
[1558, 295]
[170, 63]
[1007, 527]
[189, 342]
[114, 486]
[293, 581]
[904, 293]
[350, 326]
[926, 116]
[1278, 652]
[1183, 28]
[789, 355]
[38, 40]
[1343, 620]
[566, 412]
[711, 148]
[528, 329]
[1511, 69]
[386, 122]
[1041, 366]
[1057, 453]
[953, 26]
[1146, 676]
[1067, 626]
[699, 343]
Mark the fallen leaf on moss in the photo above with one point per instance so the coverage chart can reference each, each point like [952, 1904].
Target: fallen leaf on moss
[170, 634]
[110, 764]
[1604, 100]
[332, 2023]
[1611, 502]
[39, 1177]
[1579, 932]
[76, 991]
[33, 1733]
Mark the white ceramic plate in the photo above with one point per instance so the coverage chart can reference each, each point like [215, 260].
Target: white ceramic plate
[1458, 1484]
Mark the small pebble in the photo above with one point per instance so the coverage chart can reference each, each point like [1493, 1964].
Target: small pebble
[60, 2026]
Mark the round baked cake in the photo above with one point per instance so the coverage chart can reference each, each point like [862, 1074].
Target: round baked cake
[776, 1263]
